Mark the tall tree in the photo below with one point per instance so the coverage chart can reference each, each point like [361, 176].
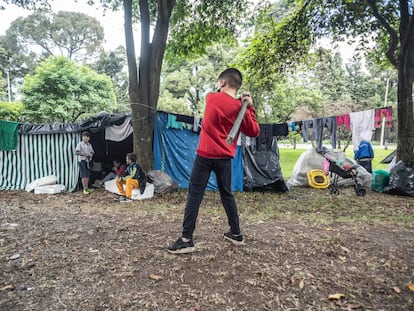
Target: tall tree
[195, 25]
[329, 73]
[63, 91]
[72, 34]
[112, 64]
[390, 24]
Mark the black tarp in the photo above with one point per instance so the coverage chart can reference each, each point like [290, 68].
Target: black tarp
[91, 124]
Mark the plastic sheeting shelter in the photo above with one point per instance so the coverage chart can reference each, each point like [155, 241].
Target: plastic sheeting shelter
[48, 149]
[262, 171]
[40, 155]
[175, 151]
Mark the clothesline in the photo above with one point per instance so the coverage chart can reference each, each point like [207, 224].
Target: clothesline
[340, 114]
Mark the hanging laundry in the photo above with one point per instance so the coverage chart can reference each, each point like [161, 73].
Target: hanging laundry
[173, 123]
[343, 120]
[319, 125]
[267, 132]
[8, 135]
[119, 132]
[307, 124]
[362, 125]
[380, 113]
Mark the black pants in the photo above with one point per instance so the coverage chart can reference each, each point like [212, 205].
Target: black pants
[200, 174]
[366, 164]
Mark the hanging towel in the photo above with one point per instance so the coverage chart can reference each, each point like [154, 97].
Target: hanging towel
[8, 135]
[173, 123]
[119, 132]
[362, 125]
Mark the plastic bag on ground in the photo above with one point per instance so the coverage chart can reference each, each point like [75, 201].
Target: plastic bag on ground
[401, 180]
[162, 182]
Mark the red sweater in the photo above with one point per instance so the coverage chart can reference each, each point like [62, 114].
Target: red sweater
[219, 116]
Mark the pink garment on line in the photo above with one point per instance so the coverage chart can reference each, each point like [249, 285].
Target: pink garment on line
[345, 120]
[383, 113]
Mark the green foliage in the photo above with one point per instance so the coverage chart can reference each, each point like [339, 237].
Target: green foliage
[62, 91]
[285, 98]
[72, 34]
[27, 4]
[112, 64]
[329, 74]
[11, 111]
[190, 80]
[195, 25]
[276, 45]
[167, 102]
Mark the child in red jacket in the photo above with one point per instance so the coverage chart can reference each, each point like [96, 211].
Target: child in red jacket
[214, 155]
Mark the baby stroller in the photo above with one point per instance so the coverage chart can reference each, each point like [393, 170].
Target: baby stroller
[342, 167]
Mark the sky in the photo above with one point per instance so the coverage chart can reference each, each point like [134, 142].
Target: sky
[112, 22]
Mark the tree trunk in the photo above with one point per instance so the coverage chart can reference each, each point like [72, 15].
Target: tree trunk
[144, 84]
[405, 147]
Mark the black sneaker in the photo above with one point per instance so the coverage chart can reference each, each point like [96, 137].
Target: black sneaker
[233, 238]
[181, 247]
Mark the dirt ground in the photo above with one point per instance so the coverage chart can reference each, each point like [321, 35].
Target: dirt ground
[305, 250]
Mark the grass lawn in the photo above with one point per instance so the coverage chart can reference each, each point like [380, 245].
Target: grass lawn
[289, 156]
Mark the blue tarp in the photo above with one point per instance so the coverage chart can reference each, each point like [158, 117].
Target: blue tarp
[175, 151]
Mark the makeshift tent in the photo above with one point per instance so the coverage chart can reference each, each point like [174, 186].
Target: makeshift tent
[48, 149]
[38, 155]
[175, 151]
[388, 159]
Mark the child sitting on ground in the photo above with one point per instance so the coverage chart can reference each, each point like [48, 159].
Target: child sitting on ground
[133, 177]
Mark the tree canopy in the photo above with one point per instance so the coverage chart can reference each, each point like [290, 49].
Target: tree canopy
[62, 91]
[284, 41]
[71, 34]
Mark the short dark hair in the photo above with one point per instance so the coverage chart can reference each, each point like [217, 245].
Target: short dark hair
[233, 77]
[85, 133]
[132, 157]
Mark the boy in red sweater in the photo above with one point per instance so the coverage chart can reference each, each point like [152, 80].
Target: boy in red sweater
[213, 154]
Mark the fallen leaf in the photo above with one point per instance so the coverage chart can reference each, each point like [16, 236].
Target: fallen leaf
[411, 287]
[292, 281]
[301, 284]
[155, 277]
[397, 289]
[337, 296]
